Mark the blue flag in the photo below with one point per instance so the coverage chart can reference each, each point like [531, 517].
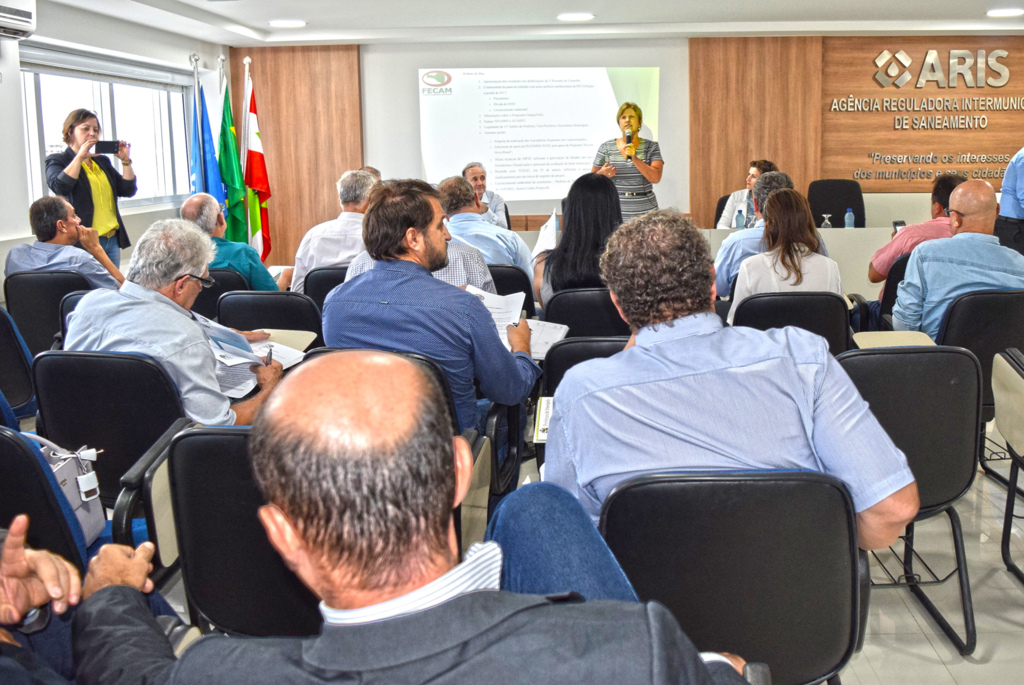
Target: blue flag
[204, 170]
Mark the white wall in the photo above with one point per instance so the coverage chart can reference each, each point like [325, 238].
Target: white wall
[90, 32]
[391, 129]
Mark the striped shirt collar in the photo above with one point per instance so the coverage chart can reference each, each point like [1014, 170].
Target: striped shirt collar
[480, 570]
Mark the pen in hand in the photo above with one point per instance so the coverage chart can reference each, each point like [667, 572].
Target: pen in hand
[522, 315]
[270, 355]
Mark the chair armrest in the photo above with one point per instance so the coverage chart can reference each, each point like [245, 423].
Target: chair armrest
[757, 674]
[864, 578]
[502, 477]
[58, 341]
[132, 481]
[861, 306]
[886, 323]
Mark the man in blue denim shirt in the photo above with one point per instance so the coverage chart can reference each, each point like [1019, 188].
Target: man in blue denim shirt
[941, 270]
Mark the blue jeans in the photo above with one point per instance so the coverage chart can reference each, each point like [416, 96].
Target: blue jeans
[551, 546]
[113, 250]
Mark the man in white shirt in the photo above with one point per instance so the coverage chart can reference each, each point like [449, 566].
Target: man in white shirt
[338, 241]
[492, 203]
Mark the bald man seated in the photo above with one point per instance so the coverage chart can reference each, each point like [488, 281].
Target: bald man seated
[939, 271]
[355, 456]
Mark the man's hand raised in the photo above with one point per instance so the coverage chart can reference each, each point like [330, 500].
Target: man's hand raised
[30, 578]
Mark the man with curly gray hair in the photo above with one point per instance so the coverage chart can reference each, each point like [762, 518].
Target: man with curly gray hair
[150, 315]
[657, 405]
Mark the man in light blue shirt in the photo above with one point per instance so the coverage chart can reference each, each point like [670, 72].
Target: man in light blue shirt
[749, 241]
[939, 271]
[463, 208]
[1010, 224]
[204, 211]
[493, 205]
[656, 405]
[57, 228]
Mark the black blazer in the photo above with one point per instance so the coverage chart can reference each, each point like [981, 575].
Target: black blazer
[477, 637]
[77, 190]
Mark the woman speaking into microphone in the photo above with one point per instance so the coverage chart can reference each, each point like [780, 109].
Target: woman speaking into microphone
[634, 164]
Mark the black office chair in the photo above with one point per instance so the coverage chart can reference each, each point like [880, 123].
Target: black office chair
[28, 486]
[252, 310]
[225, 281]
[720, 209]
[321, 281]
[897, 272]
[588, 312]
[826, 314]
[928, 399]
[120, 403]
[567, 353]
[67, 305]
[834, 196]
[33, 299]
[764, 564]
[986, 322]
[1008, 389]
[215, 499]
[508, 279]
[15, 368]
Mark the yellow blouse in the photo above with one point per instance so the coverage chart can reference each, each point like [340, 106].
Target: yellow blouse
[104, 214]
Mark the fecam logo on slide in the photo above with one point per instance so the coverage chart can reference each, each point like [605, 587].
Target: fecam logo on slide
[435, 82]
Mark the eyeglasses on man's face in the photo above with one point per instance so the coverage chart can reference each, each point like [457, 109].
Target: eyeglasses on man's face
[207, 282]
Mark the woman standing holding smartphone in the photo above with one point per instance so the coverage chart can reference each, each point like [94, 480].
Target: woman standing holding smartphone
[89, 181]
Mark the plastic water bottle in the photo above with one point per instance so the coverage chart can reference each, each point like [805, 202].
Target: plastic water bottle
[848, 219]
[740, 222]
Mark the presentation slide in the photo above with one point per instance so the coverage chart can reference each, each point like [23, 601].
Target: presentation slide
[535, 130]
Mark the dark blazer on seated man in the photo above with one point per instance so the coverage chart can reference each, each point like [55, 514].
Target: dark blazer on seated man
[355, 456]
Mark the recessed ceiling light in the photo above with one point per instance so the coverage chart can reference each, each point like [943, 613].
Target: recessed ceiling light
[1008, 12]
[575, 16]
[286, 23]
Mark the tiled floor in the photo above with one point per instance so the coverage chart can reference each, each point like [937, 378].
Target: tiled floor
[904, 646]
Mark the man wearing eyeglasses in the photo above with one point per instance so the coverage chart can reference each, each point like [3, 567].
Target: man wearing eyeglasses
[150, 315]
[941, 270]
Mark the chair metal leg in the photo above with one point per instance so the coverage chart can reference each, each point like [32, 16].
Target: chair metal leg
[964, 647]
[983, 461]
[1011, 501]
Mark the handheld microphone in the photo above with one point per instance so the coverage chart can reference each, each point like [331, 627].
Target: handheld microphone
[629, 141]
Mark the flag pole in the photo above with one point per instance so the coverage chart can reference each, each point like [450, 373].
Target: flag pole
[244, 111]
[196, 120]
[222, 81]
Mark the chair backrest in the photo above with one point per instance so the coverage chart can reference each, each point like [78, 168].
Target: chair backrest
[826, 314]
[232, 575]
[226, 280]
[720, 208]
[431, 365]
[986, 323]
[508, 279]
[33, 299]
[1008, 389]
[28, 486]
[897, 272]
[834, 196]
[252, 310]
[120, 403]
[321, 281]
[587, 312]
[67, 305]
[928, 399]
[764, 564]
[567, 353]
[15, 367]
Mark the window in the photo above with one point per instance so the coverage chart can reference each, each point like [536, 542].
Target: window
[149, 116]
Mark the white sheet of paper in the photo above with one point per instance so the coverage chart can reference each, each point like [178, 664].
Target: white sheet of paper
[287, 356]
[543, 334]
[548, 236]
[504, 309]
[235, 381]
[224, 339]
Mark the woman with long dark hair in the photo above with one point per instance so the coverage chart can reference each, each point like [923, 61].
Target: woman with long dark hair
[592, 213]
[790, 261]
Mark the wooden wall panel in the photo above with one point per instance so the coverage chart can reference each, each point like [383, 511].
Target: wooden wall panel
[851, 137]
[308, 103]
[752, 98]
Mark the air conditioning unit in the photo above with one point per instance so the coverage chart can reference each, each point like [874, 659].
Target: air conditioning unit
[17, 18]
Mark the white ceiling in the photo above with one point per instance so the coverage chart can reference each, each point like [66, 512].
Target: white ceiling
[244, 22]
